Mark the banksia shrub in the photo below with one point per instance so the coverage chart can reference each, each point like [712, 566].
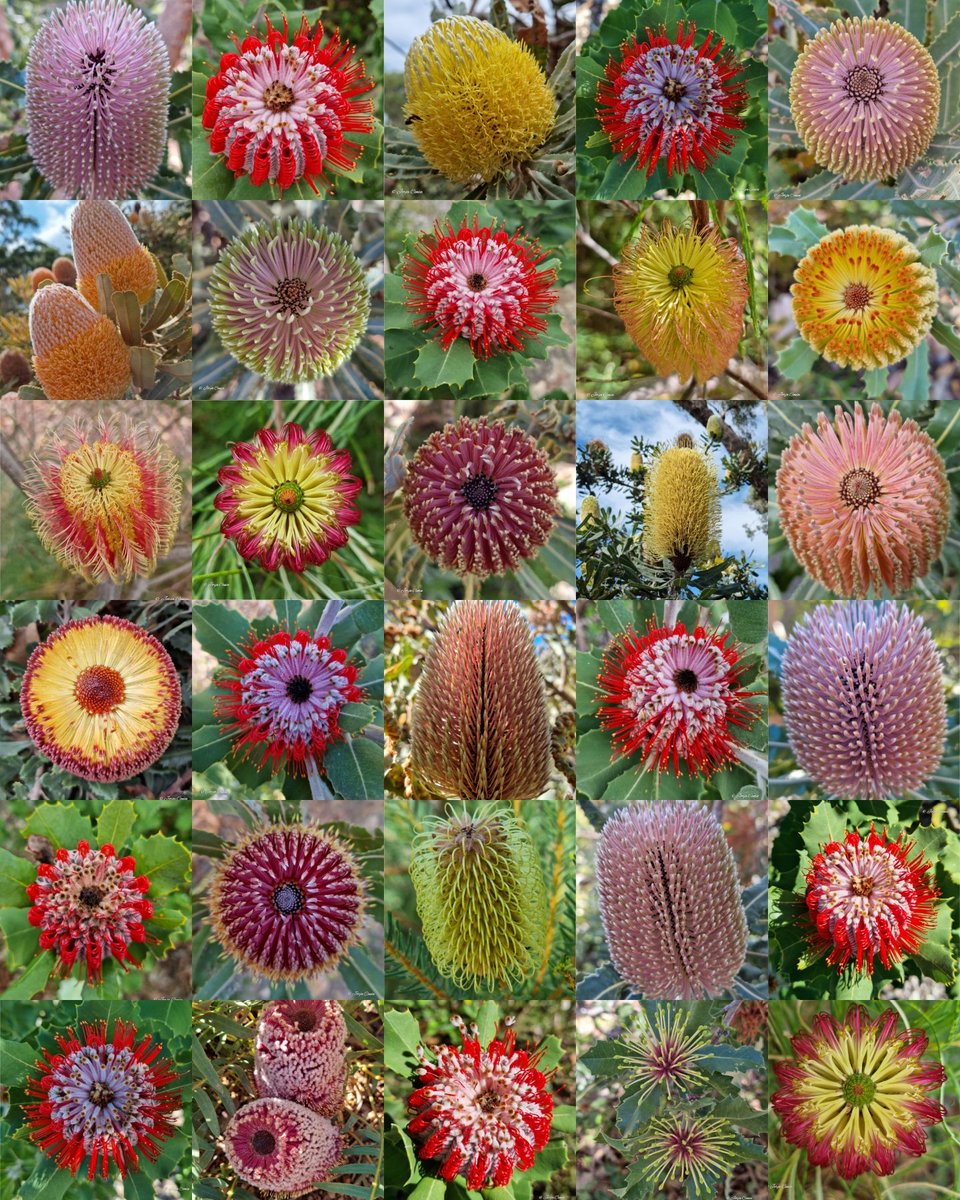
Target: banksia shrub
[480, 724]
[77, 353]
[681, 509]
[301, 1054]
[104, 244]
[281, 1147]
[670, 900]
[64, 271]
[14, 369]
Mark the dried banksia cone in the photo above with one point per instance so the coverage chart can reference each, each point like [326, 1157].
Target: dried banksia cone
[64, 271]
[278, 1146]
[104, 244]
[670, 900]
[480, 725]
[77, 353]
[41, 275]
[681, 508]
[14, 369]
[301, 1054]
[481, 897]
[684, 441]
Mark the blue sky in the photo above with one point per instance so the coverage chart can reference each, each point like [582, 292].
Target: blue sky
[403, 20]
[53, 221]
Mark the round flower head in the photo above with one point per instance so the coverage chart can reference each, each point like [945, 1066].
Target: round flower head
[14, 368]
[482, 1111]
[479, 497]
[283, 697]
[101, 698]
[863, 700]
[670, 900]
[681, 295]
[665, 1054]
[278, 1146]
[64, 271]
[289, 300]
[853, 1095]
[681, 509]
[106, 1097]
[864, 503]
[280, 111]
[681, 1146]
[666, 98]
[301, 1054]
[105, 500]
[477, 101]
[77, 353]
[287, 498]
[865, 96]
[863, 298]
[288, 902]
[98, 80]
[41, 275]
[104, 244]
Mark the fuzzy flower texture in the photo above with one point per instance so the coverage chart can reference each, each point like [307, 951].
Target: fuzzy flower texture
[78, 354]
[681, 508]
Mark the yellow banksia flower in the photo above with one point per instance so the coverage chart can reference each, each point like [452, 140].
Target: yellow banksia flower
[104, 244]
[589, 509]
[477, 101]
[636, 462]
[77, 353]
[681, 509]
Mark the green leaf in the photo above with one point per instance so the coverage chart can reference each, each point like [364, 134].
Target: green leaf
[731, 1059]
[164, 862]
[396, 315]
[487, 1020]
[875, 381]
[16, 874]
[355, 716]
[912, 15]
[603, 1060]
[48, 1182]
[219, 630]
[936, 953]
[616, 616]
[429, 1189]
[33, 980]
[797, 359]
[354, 768]
[436, 367]
[401, 1037]
[114, 824]
[915, 385]
[210, 745]
[21, 937]
[748, 620]
[16, 1061]
[932, 248]
[63, 824]
[594, 766]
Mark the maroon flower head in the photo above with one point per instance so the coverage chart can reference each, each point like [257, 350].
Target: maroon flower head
[282, 1147]
[301, 1054]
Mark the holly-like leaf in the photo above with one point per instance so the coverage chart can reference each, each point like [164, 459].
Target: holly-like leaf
[164, 862]
[436, 367]
[114, 824]
[62, 824]
[401, 1038]
[16, 874]
[797, 359]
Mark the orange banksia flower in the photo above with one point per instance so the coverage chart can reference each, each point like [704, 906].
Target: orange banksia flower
[77, 353]
[104, 244]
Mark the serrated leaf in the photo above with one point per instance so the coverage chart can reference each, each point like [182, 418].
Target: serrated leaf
[401, 1037]
[63, 824]
[603, 1060]
[797, 360]
[114, 824]
[164, 862]
[436, 367]
[16, 874]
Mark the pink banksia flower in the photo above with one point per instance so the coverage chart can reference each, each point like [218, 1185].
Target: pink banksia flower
[481, 1112]
[852, 1096]
[863, 699]
[77, 353]
[278, 1146]
[14, 368]
[98, 81]
[64, 271]
[104, 244]
[480, 497]
[670, 900]
[301, 1054]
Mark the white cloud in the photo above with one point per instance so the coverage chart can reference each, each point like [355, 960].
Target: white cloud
[53, 221]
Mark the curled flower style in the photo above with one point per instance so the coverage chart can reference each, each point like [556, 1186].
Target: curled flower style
[482, 1111]
[288, 498]
[681, 1146]
[280, 111]
[853, 1095]
[863, 699]
[864, 502]
[863, 298]
[281, 1147]
[681, 509]
[109, 1097]
[101, 698]
[480, 497]
[480, 283]
[665, 98]
[301, 1054]
[681, 295]
[865, 96]
[666, 1054]
[104, 244]
[77, 353]
[288, 902]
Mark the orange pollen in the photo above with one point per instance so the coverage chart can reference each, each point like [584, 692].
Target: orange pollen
[857, 296]
[99, 690]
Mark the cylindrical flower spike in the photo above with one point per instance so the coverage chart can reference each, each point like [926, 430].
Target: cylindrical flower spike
[681, 508]
[281, 1147]
[104, 244]
[665, 1054]
[681, 1146]
[589, 509]
[301, 1054]
[77, 353]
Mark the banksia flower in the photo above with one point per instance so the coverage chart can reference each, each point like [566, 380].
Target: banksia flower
[666, 1054]
[670, 900]
[865, 96]
[864, 503]
[477, 101]
[14, 369]
[288, 498]
[589, 509]
[481, 897]
[853, 1096]
[748, 1020]
[681, 1146]
[281, 111]
[106, 1096]
[681, 508]
[863, 699]
[863, 298]
[283, 695]
[90, 906]
[278, 1146]
[288, 902]
[482, 1111]
[681, 295]
[479, 497]
[101, 699]
[104, 244]
[480, 283]
[64, 271]
[665, 99]
[480, 724]
[105, 500]
[636, 462]
[715, 427]
[289, 300]
[41, 275]
[98, 80]
[301, 1054]
[77, 353]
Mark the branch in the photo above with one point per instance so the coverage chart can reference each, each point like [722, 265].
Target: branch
[11, 465]
[583, 236]
[746, 383]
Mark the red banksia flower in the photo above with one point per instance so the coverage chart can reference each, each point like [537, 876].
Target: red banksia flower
[279, 1146]
[863, 699]
[864, 503]
[482, 1111]
[77, 353]
[101, 698]
[853, 1095]
[670, 900]
[666, 98]
[288, 902]
[479, 497]
[301, 1054]
[281, 110]
[106, 1097]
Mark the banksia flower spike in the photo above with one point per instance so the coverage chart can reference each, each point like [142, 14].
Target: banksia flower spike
[670, 900]
[589, 509]
[77, 353]
[481, 897]
[480, 724]
[865, 96]
[681, 294]
[14, 368]
[101, 698]
[289, 300]
[748, 1021]
[853, 1095]
[863, 699]
[281, 1147]
[64, 271]
[301, 1054]
[477, 101]
[665, 1055]
[681, 508]
[862, 297]
[104, 244]
[98, 80]
[41, 275]
[681, 1146]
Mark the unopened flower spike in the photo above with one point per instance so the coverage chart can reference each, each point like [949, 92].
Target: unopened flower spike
[77, 353]
[104, 244]
[301, 1054]
[281, 1147]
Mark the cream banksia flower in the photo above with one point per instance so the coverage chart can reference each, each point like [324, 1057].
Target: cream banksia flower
[681, 509]
[480, 897]
[301, 1054]
[665, 1054]
[77, 353]
[278, 1146]
[104, 244]
[681, 1146]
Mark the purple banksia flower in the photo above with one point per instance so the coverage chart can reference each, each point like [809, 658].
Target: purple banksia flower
[279, 1146]
[301, 1054]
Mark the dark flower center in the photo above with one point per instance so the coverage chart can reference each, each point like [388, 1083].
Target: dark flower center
[488, 1102]
[288, 496]
[99, 690]
[859, 1090]
[91, 896]
[863, 84]
[859, 488]
[100, 1094]
[477, 282]
[292, 295]
[305, 1019]
[288, 899]
[679, 276]
[95, 74]
[862, 885]
[277, 96]
[857, 296]
[99, 478]
[479, 491]
[299, 690]
[673, 89]
[685, 681]
[263, 1142]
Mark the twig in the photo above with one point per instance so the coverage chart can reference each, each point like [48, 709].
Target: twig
[746, 383]
[11, 465]
[755, 762]
[599, 312]
[671, 610]
[583, 236]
